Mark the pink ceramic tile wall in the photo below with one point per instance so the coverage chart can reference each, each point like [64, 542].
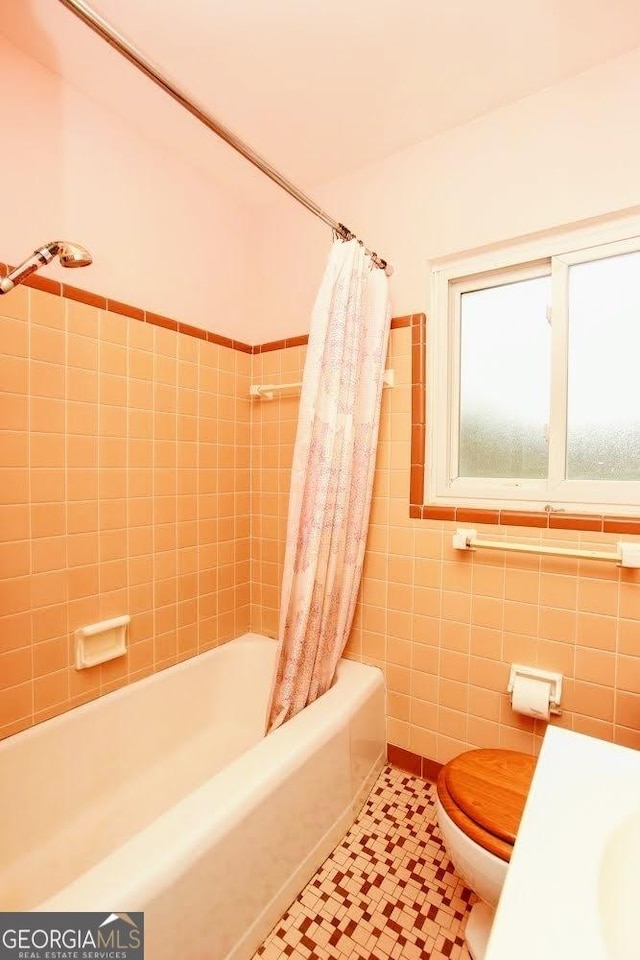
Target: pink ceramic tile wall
[125, 488]
[443, 626]
[138, 477]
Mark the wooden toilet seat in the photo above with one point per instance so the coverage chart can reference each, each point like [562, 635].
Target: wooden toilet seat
[484, 793]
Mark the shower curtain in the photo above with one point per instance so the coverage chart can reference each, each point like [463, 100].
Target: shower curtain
[332, 476]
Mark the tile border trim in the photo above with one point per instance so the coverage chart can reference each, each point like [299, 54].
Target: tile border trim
[413, 763]
[69, 292]
[418, 510]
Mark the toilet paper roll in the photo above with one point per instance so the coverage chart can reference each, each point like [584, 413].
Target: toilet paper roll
[531, 697]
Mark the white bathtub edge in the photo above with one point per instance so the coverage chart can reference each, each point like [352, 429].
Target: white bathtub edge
[243, 780]
[274, 911]
[367, 785]
[314, 772]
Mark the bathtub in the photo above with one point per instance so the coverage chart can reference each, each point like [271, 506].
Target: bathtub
[166, 797]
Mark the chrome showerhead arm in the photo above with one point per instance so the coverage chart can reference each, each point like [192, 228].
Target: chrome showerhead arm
[39, 258]
[71, 255]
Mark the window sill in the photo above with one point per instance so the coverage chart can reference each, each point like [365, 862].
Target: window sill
[514, 518]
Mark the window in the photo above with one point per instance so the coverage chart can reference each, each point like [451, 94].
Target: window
[534, 376]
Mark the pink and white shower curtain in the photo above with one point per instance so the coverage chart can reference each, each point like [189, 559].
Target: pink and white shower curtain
[332, 476]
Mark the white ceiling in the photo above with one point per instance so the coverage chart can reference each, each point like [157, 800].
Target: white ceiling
[321, 87]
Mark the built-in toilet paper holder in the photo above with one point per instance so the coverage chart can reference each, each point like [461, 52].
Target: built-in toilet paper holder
[533, 673]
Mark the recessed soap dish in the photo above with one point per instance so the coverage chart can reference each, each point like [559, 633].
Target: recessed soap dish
[99, 642]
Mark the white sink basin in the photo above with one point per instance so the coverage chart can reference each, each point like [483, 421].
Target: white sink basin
[573, 884]
[619, 888]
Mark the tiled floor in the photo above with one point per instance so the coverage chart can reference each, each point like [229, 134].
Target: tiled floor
[387, 891]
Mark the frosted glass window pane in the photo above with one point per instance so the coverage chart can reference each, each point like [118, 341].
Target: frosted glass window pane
[603, 419]
[504, 381]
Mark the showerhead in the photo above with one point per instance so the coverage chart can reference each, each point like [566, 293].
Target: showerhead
[71, 255]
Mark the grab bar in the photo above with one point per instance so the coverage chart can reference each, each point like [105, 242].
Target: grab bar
[626, 554]
[267, 390]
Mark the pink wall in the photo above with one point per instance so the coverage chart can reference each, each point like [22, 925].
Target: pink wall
[565, 154]
[444, 633]
[164, 235]
[161, 234]
[124, 479]
[446, 626]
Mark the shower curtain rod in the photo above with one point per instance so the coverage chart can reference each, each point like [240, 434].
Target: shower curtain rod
[119, 43]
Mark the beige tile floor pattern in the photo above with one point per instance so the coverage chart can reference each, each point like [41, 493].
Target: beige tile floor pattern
[387, 891]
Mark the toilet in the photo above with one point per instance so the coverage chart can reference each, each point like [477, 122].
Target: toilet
[480, 800]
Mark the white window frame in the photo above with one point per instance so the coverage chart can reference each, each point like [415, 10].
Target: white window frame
[551, 255]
